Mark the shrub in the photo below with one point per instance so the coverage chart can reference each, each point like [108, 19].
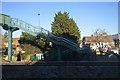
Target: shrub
[24, 56]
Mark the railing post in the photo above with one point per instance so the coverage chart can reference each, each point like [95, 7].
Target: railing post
[41, 29]
[9, 44]
[17, 22]
[34, 29]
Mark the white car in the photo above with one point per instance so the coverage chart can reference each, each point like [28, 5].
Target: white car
[115, 50]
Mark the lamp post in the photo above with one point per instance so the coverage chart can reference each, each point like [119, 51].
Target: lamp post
[39, 20]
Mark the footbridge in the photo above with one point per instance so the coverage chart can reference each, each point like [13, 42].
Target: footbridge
[14, 24]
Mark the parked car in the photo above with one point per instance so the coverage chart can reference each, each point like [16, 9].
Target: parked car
[115, 50]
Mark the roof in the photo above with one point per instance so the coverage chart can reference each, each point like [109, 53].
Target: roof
[116, 36]
[15, 41]
[4, 40]
[98, 39]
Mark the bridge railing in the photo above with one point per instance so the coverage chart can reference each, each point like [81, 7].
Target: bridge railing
[20, 23]
[41, 30]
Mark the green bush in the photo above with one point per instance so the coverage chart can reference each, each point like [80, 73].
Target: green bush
[24, 56]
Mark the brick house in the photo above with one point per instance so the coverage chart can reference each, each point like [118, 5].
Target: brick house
[98, 41]
[15, 45]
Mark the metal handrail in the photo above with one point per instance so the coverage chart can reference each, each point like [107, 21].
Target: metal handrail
[20, 23]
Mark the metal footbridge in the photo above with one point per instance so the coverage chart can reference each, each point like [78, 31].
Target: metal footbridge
[13, 24]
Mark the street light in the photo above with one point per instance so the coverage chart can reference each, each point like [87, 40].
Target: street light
[39, 20]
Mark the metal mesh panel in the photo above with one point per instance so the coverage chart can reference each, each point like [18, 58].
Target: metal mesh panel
[42, 31]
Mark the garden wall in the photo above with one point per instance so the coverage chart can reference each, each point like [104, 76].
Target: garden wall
[75, 70]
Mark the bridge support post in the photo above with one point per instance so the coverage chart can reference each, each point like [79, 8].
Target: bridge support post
[59, 53]
[9, 44]
[10, 31]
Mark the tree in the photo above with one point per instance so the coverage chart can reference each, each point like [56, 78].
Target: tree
[28, 48]
[99, 35]
[100, 32]
[65, 26]
[37, 42]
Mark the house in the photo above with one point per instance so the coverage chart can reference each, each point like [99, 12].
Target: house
[1, 44]
[15, 41]
[15, 45]
[4, 45]
[116, 38]
[95, 42]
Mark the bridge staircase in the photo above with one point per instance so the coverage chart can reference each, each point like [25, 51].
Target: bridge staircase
[14, 24]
